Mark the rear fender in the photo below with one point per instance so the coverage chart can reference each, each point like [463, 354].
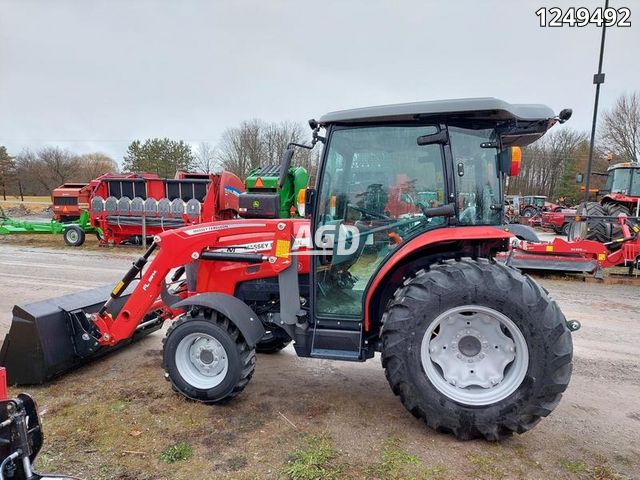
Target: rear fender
[427, 248]
[238, 312]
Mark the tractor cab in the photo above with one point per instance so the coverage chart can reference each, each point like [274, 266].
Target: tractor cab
[623, 179]
[393, 174]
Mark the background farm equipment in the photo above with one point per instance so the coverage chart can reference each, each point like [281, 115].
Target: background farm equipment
[620, 195]
[73, 232]
[130, 208]
[265, 180]
[70, 200]
[581, 255]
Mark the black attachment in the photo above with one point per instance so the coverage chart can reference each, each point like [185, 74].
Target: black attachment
[233, 257]
[84, 333]
[259, 205]
[40, 344]
[20, 435]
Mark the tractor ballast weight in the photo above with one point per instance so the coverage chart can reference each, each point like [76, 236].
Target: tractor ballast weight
[50, 337]
[396, 254]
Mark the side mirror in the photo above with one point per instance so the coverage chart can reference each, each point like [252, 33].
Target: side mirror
[579, 178]
[309, 201]
[285, 163]
[510, 161]
[564, 115]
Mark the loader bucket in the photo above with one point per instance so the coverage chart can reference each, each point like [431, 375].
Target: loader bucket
[40, 343]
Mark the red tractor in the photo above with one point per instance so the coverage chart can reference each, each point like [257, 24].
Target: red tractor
[620, 194]
[472, 347]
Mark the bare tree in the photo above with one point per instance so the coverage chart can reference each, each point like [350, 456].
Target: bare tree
[205, 158]
[92, 165]
[547, 162]
[256, 143]
[621, 128]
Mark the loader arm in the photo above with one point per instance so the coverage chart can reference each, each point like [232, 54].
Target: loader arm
[176, 248]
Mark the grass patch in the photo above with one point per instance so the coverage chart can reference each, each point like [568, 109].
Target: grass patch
[575, 468]
[176, 453]
[315, 461]
[395, 463]
[605, 472]
[485, 466]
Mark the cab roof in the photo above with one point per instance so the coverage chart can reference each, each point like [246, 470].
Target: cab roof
[624, 165]
[488, 108]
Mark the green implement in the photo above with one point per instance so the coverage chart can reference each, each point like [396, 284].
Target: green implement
[265, 180]
[12, 226]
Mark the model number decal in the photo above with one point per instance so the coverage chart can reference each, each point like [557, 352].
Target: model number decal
[247, 247]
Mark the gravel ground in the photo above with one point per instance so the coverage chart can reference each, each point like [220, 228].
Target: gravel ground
[594, 433]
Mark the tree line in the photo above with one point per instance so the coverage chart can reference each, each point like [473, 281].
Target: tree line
[549, 166]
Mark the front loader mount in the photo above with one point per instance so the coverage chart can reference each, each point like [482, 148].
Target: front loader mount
[49, 337]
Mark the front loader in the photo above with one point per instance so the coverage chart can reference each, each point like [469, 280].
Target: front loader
[395, 256]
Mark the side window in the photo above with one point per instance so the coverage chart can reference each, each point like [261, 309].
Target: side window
[477, 178]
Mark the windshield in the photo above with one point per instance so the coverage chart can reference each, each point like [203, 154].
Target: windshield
[477, 179]
[618, 181]
[376, 181]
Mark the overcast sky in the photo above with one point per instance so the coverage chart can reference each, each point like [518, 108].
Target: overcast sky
[94, 75]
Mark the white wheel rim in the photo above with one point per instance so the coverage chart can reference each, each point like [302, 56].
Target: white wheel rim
[72, 235]
[201, 361]
[474, 355]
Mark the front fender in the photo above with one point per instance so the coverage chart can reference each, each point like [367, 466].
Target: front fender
[238, 312]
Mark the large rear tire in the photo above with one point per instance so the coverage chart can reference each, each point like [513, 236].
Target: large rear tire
[615, 210]
[598, 230]
[476, 349]
[206, 358]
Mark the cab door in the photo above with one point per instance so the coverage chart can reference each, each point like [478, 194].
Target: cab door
[374, 184]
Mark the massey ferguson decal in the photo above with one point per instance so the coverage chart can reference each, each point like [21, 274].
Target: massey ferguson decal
[214, 228]
[247, 247]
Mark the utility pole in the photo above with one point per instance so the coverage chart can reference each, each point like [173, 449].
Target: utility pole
[598, 79]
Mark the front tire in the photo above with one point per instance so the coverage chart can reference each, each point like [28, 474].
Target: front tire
[206, 358]
[476, 349]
